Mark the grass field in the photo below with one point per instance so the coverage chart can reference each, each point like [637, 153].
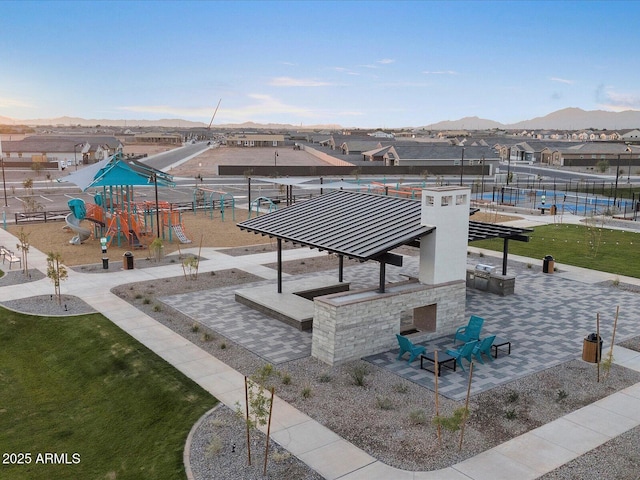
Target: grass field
[593, 247]
[80, 385]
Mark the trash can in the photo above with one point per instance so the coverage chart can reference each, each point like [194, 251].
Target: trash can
[127, 261]
[553, 210]
[590, 349]
[548, 264]
[105, 263]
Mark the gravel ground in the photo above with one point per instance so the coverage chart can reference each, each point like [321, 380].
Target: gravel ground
[388, 417]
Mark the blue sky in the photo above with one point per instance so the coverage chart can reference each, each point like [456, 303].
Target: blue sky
[366, 64]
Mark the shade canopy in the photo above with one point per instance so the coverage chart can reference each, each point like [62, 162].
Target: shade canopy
[117, 170]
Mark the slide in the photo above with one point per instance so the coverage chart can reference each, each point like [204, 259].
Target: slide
[82, 233]
[180, 234]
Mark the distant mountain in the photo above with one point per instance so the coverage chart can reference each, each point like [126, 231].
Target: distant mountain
[69, 121]
[578, 119]
[565, 119]
[466, 123]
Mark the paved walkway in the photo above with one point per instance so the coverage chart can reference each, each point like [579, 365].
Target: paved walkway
[525, 457]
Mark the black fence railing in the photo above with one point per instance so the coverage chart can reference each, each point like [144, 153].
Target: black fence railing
[60, 215]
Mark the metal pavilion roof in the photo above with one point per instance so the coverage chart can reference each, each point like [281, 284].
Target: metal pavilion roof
[362, 226]
[484, 231]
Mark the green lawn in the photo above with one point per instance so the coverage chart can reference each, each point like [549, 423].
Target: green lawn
[81, 385]
[596, 248]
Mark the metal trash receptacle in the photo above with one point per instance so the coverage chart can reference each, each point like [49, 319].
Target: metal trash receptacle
[548, 264]
[105, 263]
[590, 351]
[127, 261]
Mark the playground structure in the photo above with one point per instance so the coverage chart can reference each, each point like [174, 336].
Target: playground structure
[206, 198]
[133, 225]
[257, 203]
[115, 214]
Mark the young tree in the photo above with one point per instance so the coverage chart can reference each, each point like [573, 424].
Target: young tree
[56, 271]
[23, 245]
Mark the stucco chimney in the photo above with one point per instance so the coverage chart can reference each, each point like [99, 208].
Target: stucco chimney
[443, 253]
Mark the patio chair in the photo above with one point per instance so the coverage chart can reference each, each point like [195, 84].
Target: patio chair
[464, 351]
[484, 346]
[407, 346]
[469, 332]
[4, 251]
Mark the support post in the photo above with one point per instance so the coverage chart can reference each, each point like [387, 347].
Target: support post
[383, 271]
[505, 255]
[279, 265]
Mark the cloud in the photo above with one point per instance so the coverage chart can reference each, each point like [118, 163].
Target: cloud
[440, 72]
[168, 110]
[609, 99]
[290, 64]
[264, 106]
[562, 80]
[556, 96]
[297, 82]
[13, 103]
[386, 61]
[404, 84]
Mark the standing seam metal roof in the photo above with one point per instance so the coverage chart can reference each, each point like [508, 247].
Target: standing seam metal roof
[357, 225]
[360, 225]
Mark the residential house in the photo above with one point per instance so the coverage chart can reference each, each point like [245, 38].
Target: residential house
[255, 140]
[65, 150]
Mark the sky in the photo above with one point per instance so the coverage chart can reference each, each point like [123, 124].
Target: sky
[382, 64]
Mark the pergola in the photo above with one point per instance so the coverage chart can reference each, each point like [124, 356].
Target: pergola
[360, 226]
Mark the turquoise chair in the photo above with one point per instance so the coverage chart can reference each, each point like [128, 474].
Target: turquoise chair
[464, 351]
[407, 346]
[469, 332]
[484, 346]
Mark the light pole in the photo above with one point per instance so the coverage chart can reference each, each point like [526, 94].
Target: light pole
[482, 187]
[462, 166]
[4, 185]
[615, 190]
[629, 169]
[275, 158]
[75, 160]
[508, 167]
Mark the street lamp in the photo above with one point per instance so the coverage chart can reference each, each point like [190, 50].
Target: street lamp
[629, 169]
[275, 158]
[4, 185]
[75, 160]
[461, 166]
[615, 191]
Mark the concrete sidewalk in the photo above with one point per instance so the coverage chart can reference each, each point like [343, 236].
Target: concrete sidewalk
[525, 457]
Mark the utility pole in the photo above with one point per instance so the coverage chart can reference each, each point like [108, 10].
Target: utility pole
[462, 166]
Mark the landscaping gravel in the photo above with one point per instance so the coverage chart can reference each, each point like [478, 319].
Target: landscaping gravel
[388, 417]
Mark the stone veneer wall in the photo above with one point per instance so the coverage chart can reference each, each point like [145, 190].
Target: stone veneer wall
[351, 325]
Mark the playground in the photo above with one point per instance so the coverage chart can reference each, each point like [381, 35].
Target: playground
[199, 227]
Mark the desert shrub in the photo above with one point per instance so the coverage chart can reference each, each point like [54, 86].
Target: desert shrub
[400, 388]
[358, 374]
[306, 391]
[384, 403]
[418, 417]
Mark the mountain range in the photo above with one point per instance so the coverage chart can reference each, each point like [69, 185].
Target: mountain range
[565, 119]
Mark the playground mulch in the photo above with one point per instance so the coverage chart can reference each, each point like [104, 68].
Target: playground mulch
[200, 229]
